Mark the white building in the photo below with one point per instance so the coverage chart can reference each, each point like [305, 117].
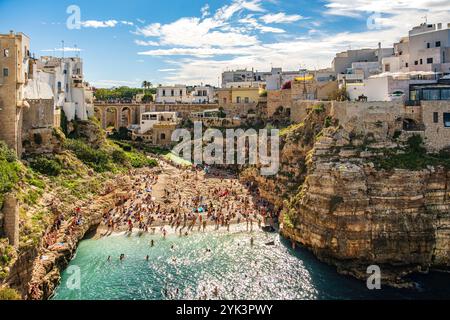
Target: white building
[150, 119]
[426, 49]
[385, 87]
[65, 77]
[245, 84]
[203, 94]
[173, 94]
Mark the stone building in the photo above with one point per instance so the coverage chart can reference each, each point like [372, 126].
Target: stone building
[302, 88]
[14, 75]
[156, 128]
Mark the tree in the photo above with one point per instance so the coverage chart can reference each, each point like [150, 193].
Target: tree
[146, 85]
[340, 95]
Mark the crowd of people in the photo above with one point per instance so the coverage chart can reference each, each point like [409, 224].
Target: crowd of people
[186, 200]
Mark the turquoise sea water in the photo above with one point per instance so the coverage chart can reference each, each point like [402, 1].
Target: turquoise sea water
[237, 269]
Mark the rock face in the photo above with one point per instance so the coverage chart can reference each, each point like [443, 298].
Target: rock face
[353, 214]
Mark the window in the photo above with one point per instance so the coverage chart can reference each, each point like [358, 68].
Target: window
[416, 62]
[446, 120]
[181, 93]
[431, 94]
[387, 67]
[163, 136]
[438, 44]
[164, 93]
[407, 65]
[247, 100]
[428, 45]
[6, 53]
[172, 93]
[421, 61]
[5, 72]
[430, 60]
[238, 100]
[224, 100]
[445, 94]
[435, 117]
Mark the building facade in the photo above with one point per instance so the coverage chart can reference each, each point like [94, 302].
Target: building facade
[14, 75]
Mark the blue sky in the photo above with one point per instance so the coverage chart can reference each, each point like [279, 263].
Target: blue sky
[126, 42]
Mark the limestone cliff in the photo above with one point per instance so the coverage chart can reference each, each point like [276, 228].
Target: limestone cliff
[362, 193]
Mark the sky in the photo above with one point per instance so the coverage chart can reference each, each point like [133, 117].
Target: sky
[193, 42]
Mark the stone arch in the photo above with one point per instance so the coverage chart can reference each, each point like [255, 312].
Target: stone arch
[98, 114]
[111, 118]
[125, 117]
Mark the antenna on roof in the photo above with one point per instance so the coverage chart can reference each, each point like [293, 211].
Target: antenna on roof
[62, 48]
[77, 52]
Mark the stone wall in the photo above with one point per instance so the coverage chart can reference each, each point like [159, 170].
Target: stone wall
[437, 136]
[40, 114]
[9, 219]
[10, 111]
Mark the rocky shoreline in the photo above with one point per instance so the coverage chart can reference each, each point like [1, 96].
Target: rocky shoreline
[36, 273]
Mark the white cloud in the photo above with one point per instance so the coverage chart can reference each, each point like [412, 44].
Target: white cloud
[65, 49]
[146, 43]
[167, 70]
[280, 18]
[197, 52]
[252, 23]
[114, 83]
[195, 32]
[99, 24]
[205, 11]
[104, 24]
[229, 39]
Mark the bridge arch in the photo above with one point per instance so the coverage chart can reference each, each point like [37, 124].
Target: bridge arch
[125, 117]
[112, 118]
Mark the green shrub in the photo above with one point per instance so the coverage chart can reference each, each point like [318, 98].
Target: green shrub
[97, 159]
[138, 160]
[119, 157]
[9, 170]
[47, 166]
[9, 294]
[319, 108]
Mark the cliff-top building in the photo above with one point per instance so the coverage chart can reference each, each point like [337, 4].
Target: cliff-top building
[14, 75]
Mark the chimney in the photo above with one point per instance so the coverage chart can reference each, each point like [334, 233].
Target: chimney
[11, 32]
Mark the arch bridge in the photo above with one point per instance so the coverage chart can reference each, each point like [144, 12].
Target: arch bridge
[120, 114]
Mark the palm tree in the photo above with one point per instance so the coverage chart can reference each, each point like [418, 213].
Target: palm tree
[146, 85]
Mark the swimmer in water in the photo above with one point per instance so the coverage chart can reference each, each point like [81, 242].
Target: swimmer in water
[147, 258]
[122, 257]
[152, 243]
[109, 259]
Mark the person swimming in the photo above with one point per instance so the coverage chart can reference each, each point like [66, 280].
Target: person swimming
[109, 259]
[147, 258]
[152, 243]
[122, 257]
